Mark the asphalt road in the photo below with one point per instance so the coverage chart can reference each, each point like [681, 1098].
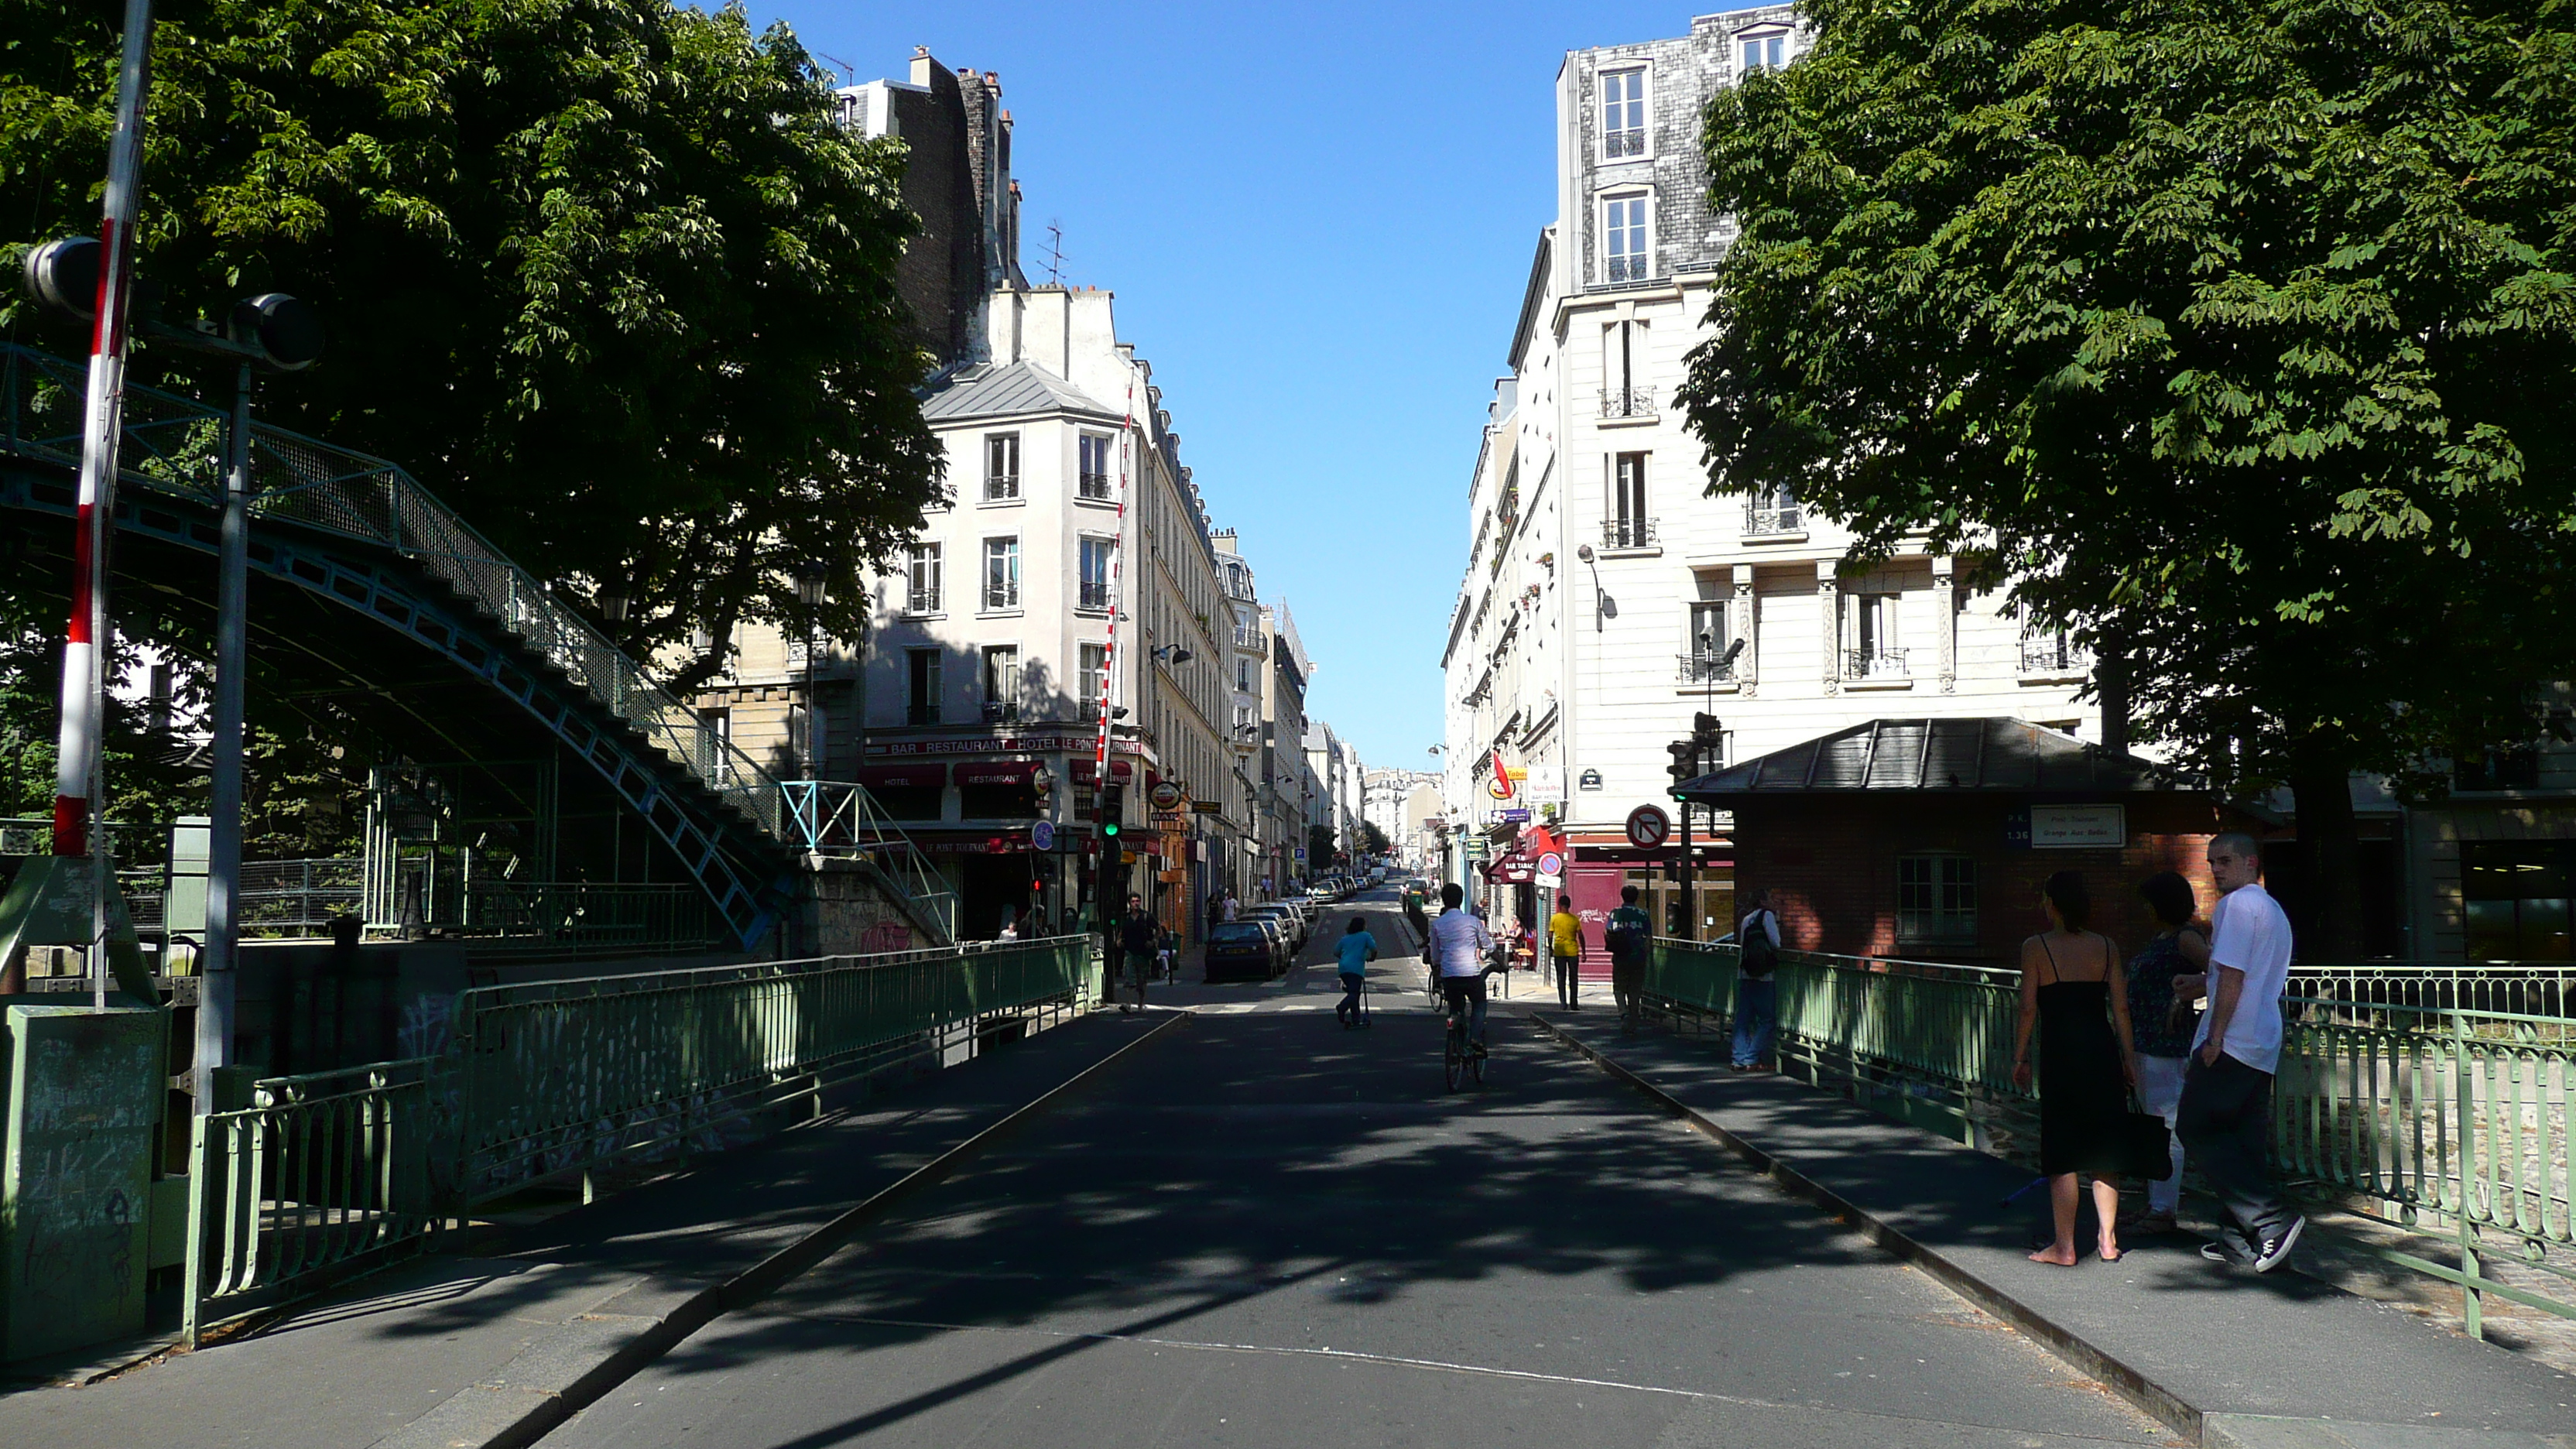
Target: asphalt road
[1265, 1230]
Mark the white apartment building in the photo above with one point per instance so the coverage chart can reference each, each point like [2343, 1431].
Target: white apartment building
[1607, 597]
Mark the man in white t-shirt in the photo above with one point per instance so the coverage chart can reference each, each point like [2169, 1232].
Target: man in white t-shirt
[2225, 1120]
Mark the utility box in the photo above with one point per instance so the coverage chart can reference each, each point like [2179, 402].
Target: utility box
[79, 1106]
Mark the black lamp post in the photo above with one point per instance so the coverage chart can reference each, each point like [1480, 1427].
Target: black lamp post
[810, 594]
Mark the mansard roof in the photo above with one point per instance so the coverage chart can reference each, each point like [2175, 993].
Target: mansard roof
[987, 391]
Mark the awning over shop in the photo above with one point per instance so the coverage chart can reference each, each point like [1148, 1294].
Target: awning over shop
[996, 772]
[914, 775]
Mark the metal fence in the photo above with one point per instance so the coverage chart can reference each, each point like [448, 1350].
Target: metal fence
[320, 1175]
[2441, 1120]
[2532, 989]
[329, 1174]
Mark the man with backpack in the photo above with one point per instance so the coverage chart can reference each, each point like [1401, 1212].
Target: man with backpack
[1757, 996]
[1630, 938]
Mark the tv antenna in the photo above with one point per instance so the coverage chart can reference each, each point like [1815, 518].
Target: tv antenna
[1055, 253]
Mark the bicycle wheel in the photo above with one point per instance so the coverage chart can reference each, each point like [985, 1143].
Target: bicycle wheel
[1453, 1057]
[1476, 1063]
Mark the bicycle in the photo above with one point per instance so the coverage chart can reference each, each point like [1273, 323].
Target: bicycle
[1461, 1056]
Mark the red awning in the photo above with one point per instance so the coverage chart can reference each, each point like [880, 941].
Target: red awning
[918, 775]
[996, 772]
[1084, 771]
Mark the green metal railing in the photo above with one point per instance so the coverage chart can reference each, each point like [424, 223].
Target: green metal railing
[319, 1175]
[557, 1077]
[326, 1175]
[2534, 988]
[2447, 1122]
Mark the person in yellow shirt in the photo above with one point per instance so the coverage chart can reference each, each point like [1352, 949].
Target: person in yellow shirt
[1565, 943]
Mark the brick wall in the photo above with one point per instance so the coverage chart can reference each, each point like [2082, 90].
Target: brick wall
[1831, 864]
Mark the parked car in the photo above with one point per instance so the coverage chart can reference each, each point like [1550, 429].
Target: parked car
[1287, 916]
[1242, 951]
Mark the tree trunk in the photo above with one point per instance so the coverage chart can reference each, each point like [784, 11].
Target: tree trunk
[2332, 931]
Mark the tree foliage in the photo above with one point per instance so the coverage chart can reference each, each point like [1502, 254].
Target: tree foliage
[2236, 335]
[604, 274]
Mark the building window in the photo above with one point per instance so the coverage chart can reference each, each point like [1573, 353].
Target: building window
[1625, 523]
[1243, 674]
[2517, 896]
[2051, 651]
[2498, 767]
[1774, 510]
[1002, 684]
[1704, 658]
[1625, 240]
[1936, 900]
[1623, 113]
[719, 726]
[1095, 572]
[1001, 573]
[1001, 465]
[1094, 679]
[921, 690]
[922, 580]
[1870, 646]
[1763, 52]
[1094, 474]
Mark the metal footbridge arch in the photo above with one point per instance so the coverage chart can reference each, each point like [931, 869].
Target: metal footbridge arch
[359, 532]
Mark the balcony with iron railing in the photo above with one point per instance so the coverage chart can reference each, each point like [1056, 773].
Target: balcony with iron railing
[1095, 594]
[1616, 145]
[1706, 668]
[1864, 665]
[1094, 485]
[1628, 533]
[1249, 639]
[1765, 516]
[1627, 402]
[2053, 653]
[1001, 711]
[919, 714]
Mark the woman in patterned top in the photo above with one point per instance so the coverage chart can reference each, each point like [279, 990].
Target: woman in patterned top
[2164, 980]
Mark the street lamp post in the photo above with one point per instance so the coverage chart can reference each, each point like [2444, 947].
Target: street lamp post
[810, 594]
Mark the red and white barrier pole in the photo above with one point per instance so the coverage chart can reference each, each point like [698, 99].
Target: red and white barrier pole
[79, 772]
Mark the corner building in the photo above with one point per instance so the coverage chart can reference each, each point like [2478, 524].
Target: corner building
[1607, 597]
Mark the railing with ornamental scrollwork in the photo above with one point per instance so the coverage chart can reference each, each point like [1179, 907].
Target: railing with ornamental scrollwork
[1863, 664]
[1628, 532]
[1628, 402]
[1760, 518]
[2051, 653]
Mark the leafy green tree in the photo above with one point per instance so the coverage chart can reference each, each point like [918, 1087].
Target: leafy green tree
[605, 274]
[2238, 337]
[1319, 849]
[1372, 839]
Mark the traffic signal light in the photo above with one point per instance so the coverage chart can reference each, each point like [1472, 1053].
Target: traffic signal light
[1684, 767]
[1113, 808]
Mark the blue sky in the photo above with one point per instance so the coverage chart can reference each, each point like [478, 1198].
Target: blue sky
[1318, 220]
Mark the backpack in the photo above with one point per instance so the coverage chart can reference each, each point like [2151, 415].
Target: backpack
[1760, 957]
[1621, 936]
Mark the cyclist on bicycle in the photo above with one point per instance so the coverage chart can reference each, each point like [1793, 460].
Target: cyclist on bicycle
[1459, 946]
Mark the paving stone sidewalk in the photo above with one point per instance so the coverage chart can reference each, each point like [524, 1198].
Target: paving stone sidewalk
[451, 1351]
[2263, 1361]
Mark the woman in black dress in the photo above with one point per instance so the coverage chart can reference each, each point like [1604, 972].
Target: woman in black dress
[2071, 989]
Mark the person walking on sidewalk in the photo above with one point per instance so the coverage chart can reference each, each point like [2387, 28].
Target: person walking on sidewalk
[1757, 996]
[1565, 949]
[1139, 934]
[2226, 1114]
[1232, 907]
[1631, 939]
[2164, 979]
[2070, 977]
[1356, 949]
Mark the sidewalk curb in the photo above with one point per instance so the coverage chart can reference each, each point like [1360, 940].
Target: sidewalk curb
[505, 1412]
[2132, 1384]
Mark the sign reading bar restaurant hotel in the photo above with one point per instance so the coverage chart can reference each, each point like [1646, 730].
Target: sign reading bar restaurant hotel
[2078, 827]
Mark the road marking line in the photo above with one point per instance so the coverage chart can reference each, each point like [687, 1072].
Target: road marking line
[1398, 1361]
